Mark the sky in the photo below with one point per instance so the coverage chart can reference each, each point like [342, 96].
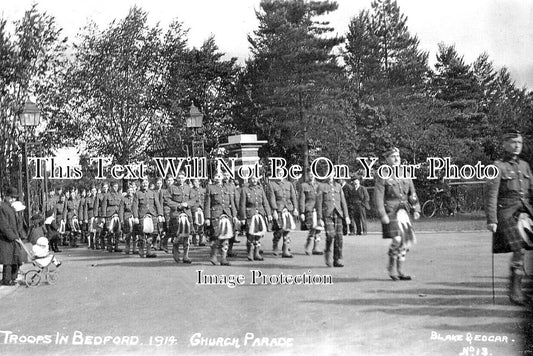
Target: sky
[502, 28]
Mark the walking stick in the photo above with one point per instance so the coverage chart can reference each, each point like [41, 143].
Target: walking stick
[493, 293]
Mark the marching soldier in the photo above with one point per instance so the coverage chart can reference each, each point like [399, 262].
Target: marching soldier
[394, 199]
[127, 220]
[180, 206]
[332, 210]
[361, 202]
[197, 206]
[219, 210]
[282, 198]
[146, 212]
[113, 211]
[507, 202]
[101, 229]
[253, 209]
[308, 193]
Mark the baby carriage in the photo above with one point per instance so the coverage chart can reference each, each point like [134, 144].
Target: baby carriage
[45, 265]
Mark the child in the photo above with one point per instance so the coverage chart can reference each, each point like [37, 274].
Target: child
[42, 254]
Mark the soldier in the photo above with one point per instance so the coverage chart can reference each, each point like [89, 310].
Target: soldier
[253, 208]
[361, 202]
[59, 213]
[197, 210]
[308, 192]
[165, 201]
[219, 210]
[127, 221]
[92, 217]
[158, 189]
[146, 213]
[394, 198]
[282, 198]
[82, 214]
[51, 201]
[113, 207]
[332, 210]
[72, 210]
[229, 184]
[101, 229]
[506, 203]
[180, 217]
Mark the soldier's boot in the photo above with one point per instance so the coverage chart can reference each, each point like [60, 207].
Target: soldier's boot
[516, 294]
[275, 244]
[230, 248]
[186, 245]
[328, 254]
[134, 240]
[149, 253]
[257, 251]
[307, 247]
[127, 246]
[286, 253]
[142, 246]
[102, 241]
[164, 243]
[109, 242]
[250, 250]
[213, 253]
[391, 268]
[115, 247]
[402, 276]
[202, 240]
[316, 246]
[224, 254]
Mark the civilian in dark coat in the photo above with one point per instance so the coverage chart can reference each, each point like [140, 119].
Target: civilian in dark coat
[10, 250]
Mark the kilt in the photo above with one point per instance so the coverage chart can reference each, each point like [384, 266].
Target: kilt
[507, 238]
[333, 225]
[214, 230]
[391, 229]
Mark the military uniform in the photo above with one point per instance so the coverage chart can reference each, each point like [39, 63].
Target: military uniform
[113, 207]
[507, 196]
[197, 204]
[391, 195]
[101, 230]
[253, 202]
[127, 219]
[234, 190]
[361, 201]
[146, 203]
[72, 211]
[332, 210]
[219, 201]
[307, 200]
[82, 215]
[60, 214]
[165, 198]
[282, 198]
[180, 194]
[92, 215]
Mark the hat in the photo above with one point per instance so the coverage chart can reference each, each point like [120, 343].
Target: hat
[390, 151]
[12, 192]
[18, 206]
[509, 134]
[43, 241]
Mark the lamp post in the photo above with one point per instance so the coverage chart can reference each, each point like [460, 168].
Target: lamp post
[195, 121]
[29, 118]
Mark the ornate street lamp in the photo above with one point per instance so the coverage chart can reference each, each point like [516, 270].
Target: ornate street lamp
[29, 118]
[195, 121]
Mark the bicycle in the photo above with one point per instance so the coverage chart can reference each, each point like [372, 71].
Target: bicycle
[440, 205]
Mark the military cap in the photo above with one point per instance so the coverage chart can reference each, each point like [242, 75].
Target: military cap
[510, 134]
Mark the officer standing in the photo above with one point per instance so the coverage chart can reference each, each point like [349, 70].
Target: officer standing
[219, 211]
[127, 220]
[113, 207]
[396, 196]
[197, 210]
[100, 213]
[253, 209]
[180, 207]
[308, 192]
[507, 198]
[165, 201]
[145, 207]
[361, 202]
[332, 211]
[282, 198]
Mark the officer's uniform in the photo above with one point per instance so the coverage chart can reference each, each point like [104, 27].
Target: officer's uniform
[127, 219]
[72, 208]
[391, 195]
[361, 201]
[180, 194]
[507, 196]
[253, 201]
[281, 196]
[307, 200]
[146, 202]
[332, 210]
[219, 201]
[113, 205]
[197, 203]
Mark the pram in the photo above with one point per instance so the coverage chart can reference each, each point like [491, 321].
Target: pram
[44, 265]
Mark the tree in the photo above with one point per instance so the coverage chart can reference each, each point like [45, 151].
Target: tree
[292, 85]
[28, 59]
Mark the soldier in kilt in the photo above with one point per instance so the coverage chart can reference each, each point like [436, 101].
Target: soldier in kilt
[253, 209]
[396, 197]
[147, 212]
[307, 200]
[506, 201]
[127, 221]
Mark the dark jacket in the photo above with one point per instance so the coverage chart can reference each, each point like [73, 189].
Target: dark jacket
[9, 249]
